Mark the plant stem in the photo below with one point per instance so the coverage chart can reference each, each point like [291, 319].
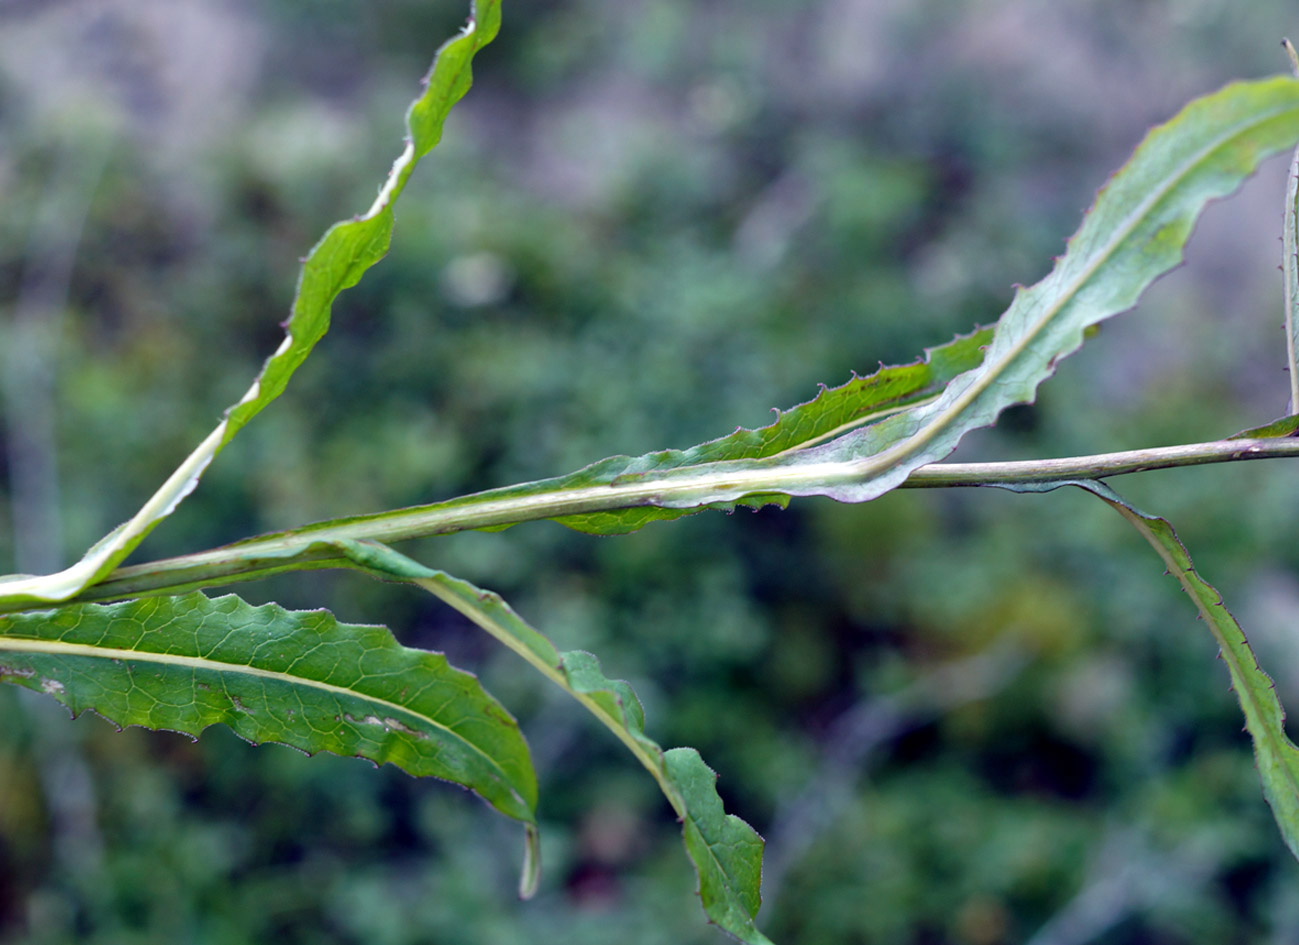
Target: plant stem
[309, 547]
[1101, 465]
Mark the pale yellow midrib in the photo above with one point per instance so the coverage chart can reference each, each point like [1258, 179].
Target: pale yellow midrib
[59, 648]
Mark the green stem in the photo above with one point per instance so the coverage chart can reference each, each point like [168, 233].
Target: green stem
[306, 548]
[1101, 465]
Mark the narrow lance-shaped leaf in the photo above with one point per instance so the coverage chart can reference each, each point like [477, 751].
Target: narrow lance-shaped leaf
[608, 510]
[726, 852]
[1276, 756]
[1136, 231]
[832, 413]
[335, 263]
[297, 678]
[1285, 426]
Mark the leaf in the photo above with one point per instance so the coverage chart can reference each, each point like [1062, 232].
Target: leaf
[1286, 426]
[726, 852]
[833, 410]
[829, 414]
[297, 678]
[878, 434]
[1276, 756]
[1135, 232]
[335, 263]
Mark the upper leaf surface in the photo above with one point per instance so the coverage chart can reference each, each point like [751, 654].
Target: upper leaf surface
[726, 851]
[298, 678]
[336, 263]
[350, 247]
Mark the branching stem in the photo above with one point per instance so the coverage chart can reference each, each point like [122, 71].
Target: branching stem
[304, 548]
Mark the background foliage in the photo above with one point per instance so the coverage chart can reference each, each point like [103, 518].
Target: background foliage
[957, 717]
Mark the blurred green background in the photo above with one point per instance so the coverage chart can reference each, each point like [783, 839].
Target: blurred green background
[958, 717]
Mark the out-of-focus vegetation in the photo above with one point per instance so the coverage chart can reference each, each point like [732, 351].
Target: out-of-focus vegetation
[958, 717]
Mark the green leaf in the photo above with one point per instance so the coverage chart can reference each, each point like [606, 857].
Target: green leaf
[1286, 426]
[335, 263]
[1276, 756]
[726, 852]
[297, 678]
[830, 413]
[1135, 232]
[858, 441]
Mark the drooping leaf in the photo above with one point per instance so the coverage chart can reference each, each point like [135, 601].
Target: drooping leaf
[335, 263]
[726, 852]
[297, 678]
[1277, 757]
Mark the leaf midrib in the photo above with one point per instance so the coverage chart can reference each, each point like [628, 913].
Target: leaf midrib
[205, 664]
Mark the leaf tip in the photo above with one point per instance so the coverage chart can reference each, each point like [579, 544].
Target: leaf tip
[530, 877]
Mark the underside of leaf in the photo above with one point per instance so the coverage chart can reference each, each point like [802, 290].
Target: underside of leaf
[335, 263]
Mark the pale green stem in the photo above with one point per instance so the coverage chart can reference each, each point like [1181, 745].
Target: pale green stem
[301, 549]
